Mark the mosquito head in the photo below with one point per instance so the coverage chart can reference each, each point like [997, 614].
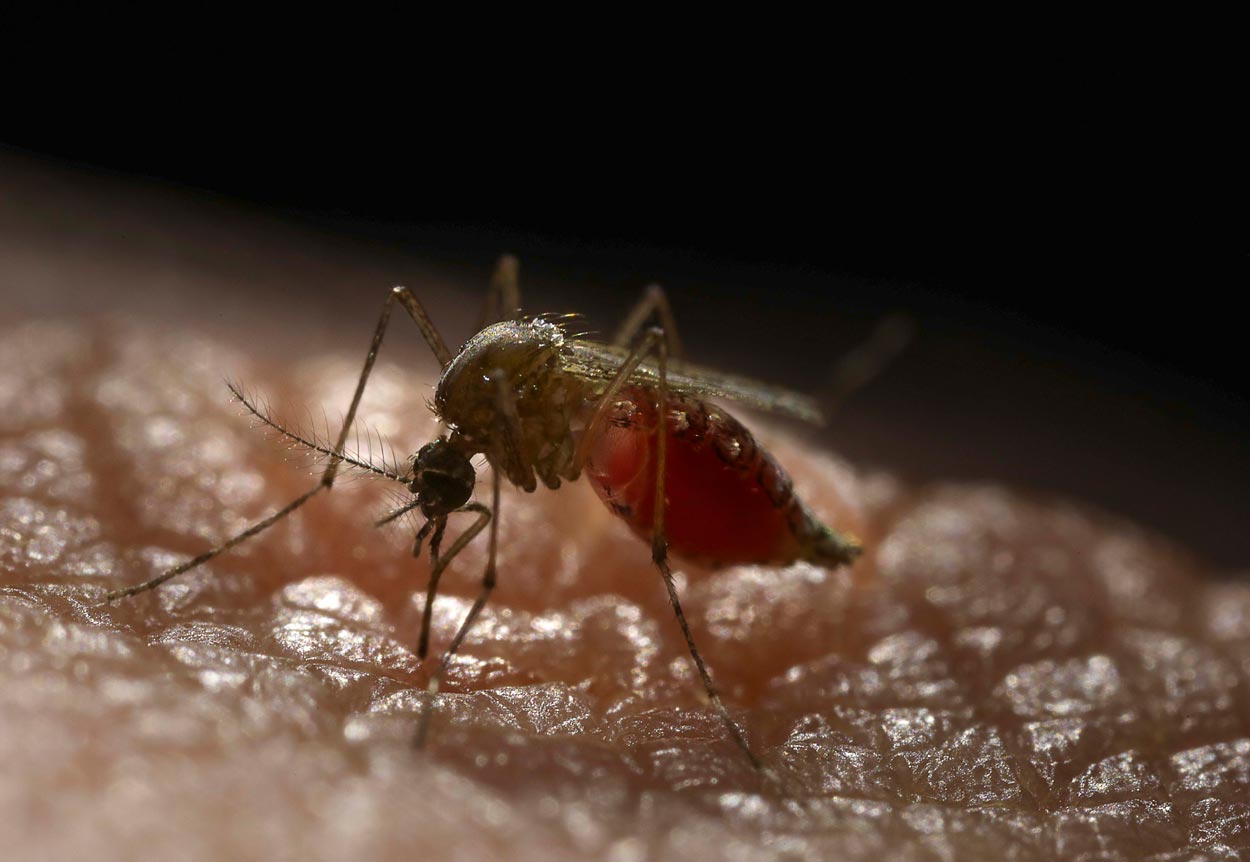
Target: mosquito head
[442, 478]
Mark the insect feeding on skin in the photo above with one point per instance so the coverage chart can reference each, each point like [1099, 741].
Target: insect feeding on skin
[543, 405]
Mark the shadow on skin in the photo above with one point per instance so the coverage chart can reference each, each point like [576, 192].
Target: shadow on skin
[1002, 677]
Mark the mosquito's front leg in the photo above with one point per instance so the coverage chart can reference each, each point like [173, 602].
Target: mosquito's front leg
[488, 584]
[258, 527]
[419, 316]
[509, 450]
[439, 563]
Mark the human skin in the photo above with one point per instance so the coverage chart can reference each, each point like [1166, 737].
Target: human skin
[1001, 675]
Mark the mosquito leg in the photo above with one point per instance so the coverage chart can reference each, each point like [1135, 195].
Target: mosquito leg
[503, 297]
[419, 316]
[868, 359]
[654, 301]
[654, 336]
[439, 524]
[258, 527]
[488, 584]
[654, 340]
[508, 456]
[659, 552]
[438, 564]
[432, 338]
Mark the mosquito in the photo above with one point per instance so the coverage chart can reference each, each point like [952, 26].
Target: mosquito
[543, 405]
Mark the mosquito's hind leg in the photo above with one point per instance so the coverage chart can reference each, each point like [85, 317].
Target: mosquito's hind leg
[655, 341]
[419, 316]
[488, 584]
[654, 301]
[659, 550]
[503, 297]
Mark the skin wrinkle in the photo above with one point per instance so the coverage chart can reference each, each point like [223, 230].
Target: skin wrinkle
[977, 690]
[1002, 677]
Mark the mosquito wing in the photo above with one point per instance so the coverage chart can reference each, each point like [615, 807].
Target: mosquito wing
[595, 361]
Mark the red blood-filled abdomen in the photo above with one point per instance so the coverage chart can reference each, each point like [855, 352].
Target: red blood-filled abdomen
[728, 501]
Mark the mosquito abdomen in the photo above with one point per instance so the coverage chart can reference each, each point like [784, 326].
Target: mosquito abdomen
[728, 501]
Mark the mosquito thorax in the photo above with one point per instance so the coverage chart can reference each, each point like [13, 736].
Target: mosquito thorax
[442, 478]
[521, 354]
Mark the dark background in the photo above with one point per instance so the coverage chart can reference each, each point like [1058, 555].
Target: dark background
[1073, 232]
[1078, 330]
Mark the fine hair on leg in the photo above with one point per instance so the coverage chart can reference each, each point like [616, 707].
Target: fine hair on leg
[439, 525]
[435, 341]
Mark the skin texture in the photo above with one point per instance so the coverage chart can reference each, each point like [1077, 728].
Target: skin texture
[1000, 677]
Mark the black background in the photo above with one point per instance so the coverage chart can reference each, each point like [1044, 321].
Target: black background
[1088, 243]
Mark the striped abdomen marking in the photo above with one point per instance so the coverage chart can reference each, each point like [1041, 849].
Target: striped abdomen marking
[728, 500]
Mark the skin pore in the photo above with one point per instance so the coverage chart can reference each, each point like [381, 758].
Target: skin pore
[1000, 677]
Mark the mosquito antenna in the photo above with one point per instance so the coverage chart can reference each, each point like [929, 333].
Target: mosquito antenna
[312, 423]
[262, 414]
[385, 453]
[397, 513]
[381, 444]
